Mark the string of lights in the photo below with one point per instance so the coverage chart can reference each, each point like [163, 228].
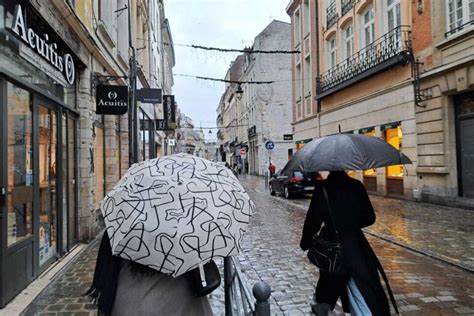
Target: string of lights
[224, 80]
[228, 50]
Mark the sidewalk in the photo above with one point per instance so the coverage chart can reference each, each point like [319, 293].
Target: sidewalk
[444, 233]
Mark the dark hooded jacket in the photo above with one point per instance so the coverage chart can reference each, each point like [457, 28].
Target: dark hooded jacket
[351, 211]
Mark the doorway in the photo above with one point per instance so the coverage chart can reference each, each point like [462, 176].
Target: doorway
[38, 191]
[465, 144]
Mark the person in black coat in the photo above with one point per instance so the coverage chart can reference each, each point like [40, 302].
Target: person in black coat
[351, 210]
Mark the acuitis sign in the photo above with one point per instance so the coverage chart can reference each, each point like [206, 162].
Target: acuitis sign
[43, 46]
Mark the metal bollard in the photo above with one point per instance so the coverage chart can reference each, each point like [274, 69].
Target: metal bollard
[261, 292]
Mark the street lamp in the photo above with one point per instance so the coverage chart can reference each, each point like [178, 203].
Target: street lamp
[239, 92]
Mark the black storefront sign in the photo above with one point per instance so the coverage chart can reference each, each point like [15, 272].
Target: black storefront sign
[149, 95]
[161, 125]
[27, 26]
[287, 136]
[169, 109]
[111, 100]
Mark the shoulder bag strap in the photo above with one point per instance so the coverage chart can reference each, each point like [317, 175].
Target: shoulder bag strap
[385, 279]
[330, 211]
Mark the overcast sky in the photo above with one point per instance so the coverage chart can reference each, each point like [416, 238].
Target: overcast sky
[216, 23]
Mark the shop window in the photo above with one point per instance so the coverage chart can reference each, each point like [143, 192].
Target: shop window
[19, 165]
[370, 172]
[48, 209]
[394, 137]
[99, 165]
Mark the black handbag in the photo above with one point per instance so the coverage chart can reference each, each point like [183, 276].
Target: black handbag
[327, 255]
[210, 273]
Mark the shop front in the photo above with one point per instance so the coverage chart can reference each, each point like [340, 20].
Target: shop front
[370, 175]
[392, 133]
[38, 158]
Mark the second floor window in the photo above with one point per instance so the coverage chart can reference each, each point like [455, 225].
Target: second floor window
[369, 28]
[460, 12]
[348, 41]
[332, 52]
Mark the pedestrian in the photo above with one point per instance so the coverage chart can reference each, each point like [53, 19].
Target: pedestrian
[359, 287]
[123, 287]
[239, 167]
[272, 169]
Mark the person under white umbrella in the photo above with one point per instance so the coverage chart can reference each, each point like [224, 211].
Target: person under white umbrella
[173, 215]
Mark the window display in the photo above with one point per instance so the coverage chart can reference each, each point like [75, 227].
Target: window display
[20, 167]
[48, 209]
[370, 172]
[394, 136]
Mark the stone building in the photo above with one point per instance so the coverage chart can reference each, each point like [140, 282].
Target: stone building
[443, 40]
[253, 114]
[399, 70]
[363, 81]
[58, 156]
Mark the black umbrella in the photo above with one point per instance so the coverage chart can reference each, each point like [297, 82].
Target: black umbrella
[346, 152]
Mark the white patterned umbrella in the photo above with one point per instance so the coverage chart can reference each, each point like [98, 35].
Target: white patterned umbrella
[176, 213]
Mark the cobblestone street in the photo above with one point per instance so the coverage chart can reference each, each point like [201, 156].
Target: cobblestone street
[422, 285]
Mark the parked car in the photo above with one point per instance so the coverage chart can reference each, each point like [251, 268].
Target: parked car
[291, 183]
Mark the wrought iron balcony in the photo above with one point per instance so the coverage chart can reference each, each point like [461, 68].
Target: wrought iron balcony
[346, 6]
[391, 49]
[331, 15]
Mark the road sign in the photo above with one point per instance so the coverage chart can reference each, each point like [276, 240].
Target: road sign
[269, 145]
[242, 151]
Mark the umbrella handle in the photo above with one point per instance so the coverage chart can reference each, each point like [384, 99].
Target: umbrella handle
[203, 275]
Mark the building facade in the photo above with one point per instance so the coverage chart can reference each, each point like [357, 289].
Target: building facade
[395, 69]
[58, 157]
[443, 40]
[253, 114]
[363, 82]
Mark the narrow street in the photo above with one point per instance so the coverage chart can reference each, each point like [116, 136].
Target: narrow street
[422, 285]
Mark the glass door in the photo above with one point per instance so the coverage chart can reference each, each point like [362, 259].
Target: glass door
[48, 188]
[16, 190]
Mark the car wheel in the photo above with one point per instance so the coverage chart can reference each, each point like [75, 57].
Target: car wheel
[272, 192]
[287, 193]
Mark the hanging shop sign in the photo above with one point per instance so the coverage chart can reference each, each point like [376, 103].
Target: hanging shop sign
[148, 95]
[169, 108]
[43, 41]
[161, 125]
[112, 100]
[287, 136]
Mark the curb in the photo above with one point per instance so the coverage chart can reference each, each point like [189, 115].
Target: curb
[392, 240]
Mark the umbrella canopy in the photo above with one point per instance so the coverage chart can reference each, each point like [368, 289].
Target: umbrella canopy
[346, 152]
[175, 213]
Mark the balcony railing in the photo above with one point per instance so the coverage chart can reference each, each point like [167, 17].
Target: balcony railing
[346, 6]
[459, 28]
[331, 15]
[385, 52]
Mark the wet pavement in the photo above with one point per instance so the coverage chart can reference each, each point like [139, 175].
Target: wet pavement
[441, 232]
[422, 285]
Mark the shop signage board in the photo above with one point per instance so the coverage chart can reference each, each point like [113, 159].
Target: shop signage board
[287, 136]
[149, 95]
[43, 41]
[111, 100]
[161, 125]
[169, 108]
